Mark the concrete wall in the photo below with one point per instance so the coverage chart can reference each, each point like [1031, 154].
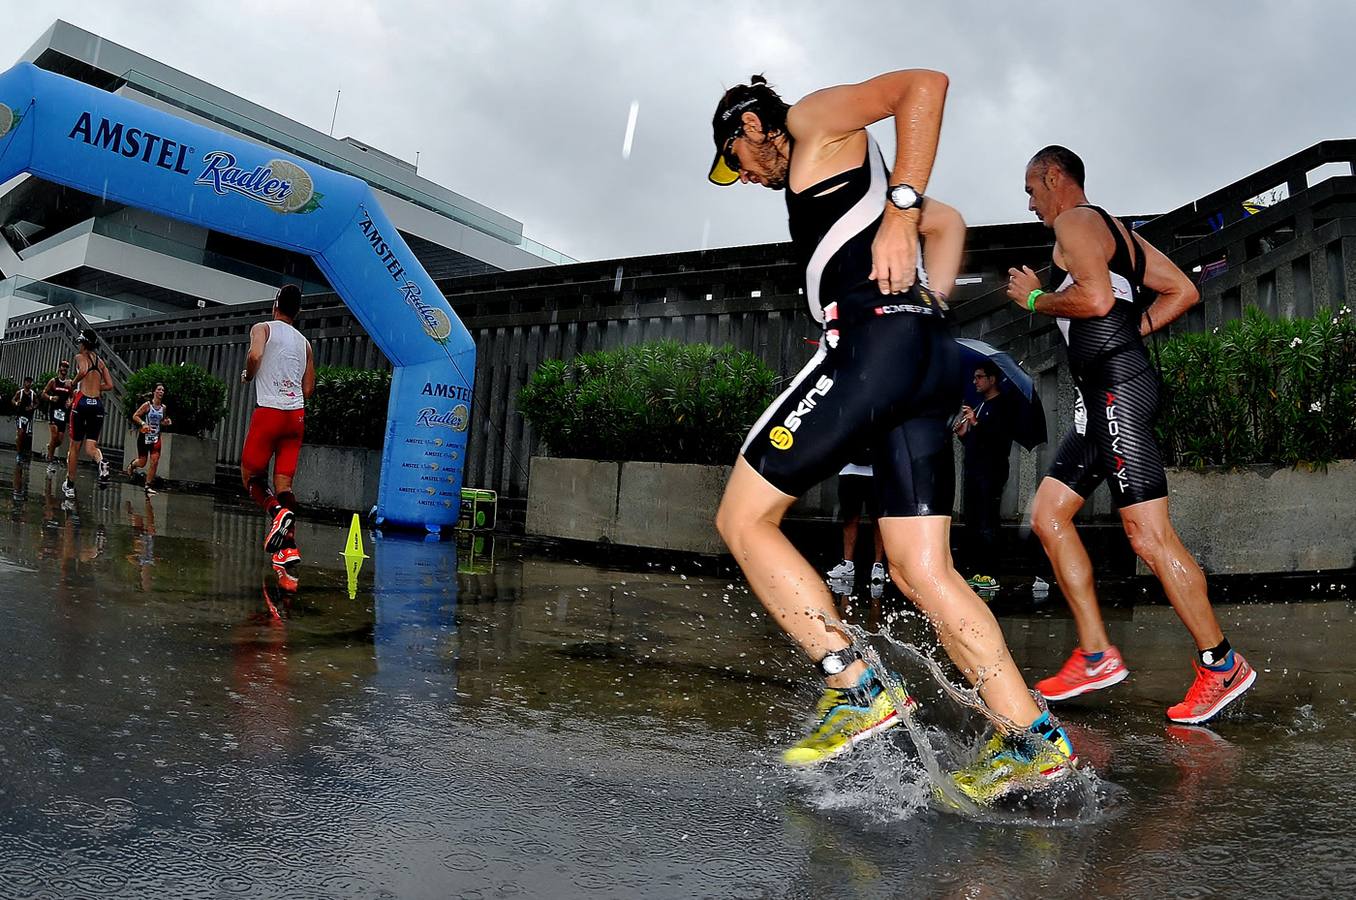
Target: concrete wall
[1266, 519]
[573, 498]
[183, 458]
[670, 506]
[337, 477]
[640, 504]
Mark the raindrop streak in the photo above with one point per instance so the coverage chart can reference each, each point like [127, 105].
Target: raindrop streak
[630, 129]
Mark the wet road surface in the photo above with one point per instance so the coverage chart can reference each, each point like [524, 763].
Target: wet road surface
[176, 725]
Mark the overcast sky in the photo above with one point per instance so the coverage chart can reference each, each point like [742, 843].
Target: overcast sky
[523, 106]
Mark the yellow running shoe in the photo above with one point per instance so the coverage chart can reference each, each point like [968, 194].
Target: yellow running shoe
[1011, 763]
[846, 716]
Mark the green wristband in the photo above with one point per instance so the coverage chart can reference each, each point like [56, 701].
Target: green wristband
[1031, 299]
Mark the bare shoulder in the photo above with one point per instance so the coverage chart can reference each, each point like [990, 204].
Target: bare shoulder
[1076, 220]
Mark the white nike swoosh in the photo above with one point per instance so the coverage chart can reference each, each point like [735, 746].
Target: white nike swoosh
[1102, 668]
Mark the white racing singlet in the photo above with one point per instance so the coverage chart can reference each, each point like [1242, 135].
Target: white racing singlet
[277, 384]
[154, 415]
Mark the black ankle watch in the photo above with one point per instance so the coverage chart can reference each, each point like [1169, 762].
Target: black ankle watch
[837, 661]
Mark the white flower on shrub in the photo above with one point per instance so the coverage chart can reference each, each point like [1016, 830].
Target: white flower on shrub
[1316, 406]
[1295, 342]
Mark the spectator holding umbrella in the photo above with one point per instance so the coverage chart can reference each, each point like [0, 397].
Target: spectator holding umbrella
[987, 431]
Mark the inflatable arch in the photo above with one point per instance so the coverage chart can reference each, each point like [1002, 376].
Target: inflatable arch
[70, 133]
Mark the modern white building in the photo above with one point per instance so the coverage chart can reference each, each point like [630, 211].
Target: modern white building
[58, 244]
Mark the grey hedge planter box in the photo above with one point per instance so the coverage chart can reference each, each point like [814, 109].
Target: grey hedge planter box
[670, 506]
[183, 457]
[1266, 519]
[573, 498]
[337, 477]
[667, 506]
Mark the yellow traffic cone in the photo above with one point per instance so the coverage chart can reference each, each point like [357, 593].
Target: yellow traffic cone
[354, 554]
[354, 565]
[354, 546]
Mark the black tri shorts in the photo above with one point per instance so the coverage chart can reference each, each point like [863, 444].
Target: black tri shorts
[87, 418]
[856, 493]
[889, 382]
[1113, 438]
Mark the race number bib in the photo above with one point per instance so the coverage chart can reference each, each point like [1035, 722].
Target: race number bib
[58, 415]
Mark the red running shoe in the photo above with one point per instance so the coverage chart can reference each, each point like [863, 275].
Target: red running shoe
[283, 520]
[1078, 676]
[285, 557]
[1212, 691]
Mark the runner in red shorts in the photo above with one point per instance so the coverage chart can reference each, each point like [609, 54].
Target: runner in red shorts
[282, 367]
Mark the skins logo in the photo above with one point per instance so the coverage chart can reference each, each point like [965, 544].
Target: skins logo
[821, 389]
[781, 438]
[1113, 427]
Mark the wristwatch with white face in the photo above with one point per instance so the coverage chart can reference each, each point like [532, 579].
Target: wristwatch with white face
[904, 196]
[838, 660]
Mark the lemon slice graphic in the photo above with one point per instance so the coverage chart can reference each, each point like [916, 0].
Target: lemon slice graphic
[303, 189]
[6, 119]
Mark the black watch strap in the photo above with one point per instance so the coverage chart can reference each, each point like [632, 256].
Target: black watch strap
[835, 662]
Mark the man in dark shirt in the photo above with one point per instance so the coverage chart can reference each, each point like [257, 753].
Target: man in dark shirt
[987, 432]
[25, 402]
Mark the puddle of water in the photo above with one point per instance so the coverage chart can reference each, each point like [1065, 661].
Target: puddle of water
[177, 725]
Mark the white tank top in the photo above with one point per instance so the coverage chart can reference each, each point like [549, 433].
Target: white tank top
[277, 384]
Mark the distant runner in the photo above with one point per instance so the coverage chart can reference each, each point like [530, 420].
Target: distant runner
[149, 418]
[282, 367]
[87, 411]
[887, 375]
[1102, 273]
[25, 403]
[57, 395]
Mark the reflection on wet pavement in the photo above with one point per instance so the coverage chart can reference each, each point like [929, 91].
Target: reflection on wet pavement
[178, 725]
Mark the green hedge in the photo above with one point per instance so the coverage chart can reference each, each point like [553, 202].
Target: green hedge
[8, 388]
[194, 397]
[348, 408]
[1261, 390]
[660, 402]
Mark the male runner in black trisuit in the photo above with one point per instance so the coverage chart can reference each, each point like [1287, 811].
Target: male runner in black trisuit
[57, 394]
[1102, 271]
[886, 375]
[25, 403]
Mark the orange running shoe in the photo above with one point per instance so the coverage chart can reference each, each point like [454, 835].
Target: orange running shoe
[277, 529]
[286, 557]
[1079, 676]
[1212, 691]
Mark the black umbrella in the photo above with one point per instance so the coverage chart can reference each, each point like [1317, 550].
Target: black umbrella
[1030, 415]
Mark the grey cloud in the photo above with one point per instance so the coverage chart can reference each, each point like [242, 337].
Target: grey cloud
[522, 105]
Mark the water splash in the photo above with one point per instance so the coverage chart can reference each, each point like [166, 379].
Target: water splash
[891, 780]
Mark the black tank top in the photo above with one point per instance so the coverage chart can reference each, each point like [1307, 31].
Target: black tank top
[1110, 344]
[61, 392]
[832, 225]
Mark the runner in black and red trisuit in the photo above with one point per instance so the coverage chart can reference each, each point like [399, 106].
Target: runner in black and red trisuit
[149, 418]
[57, 395]
[1103, 274]
[87, 411]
